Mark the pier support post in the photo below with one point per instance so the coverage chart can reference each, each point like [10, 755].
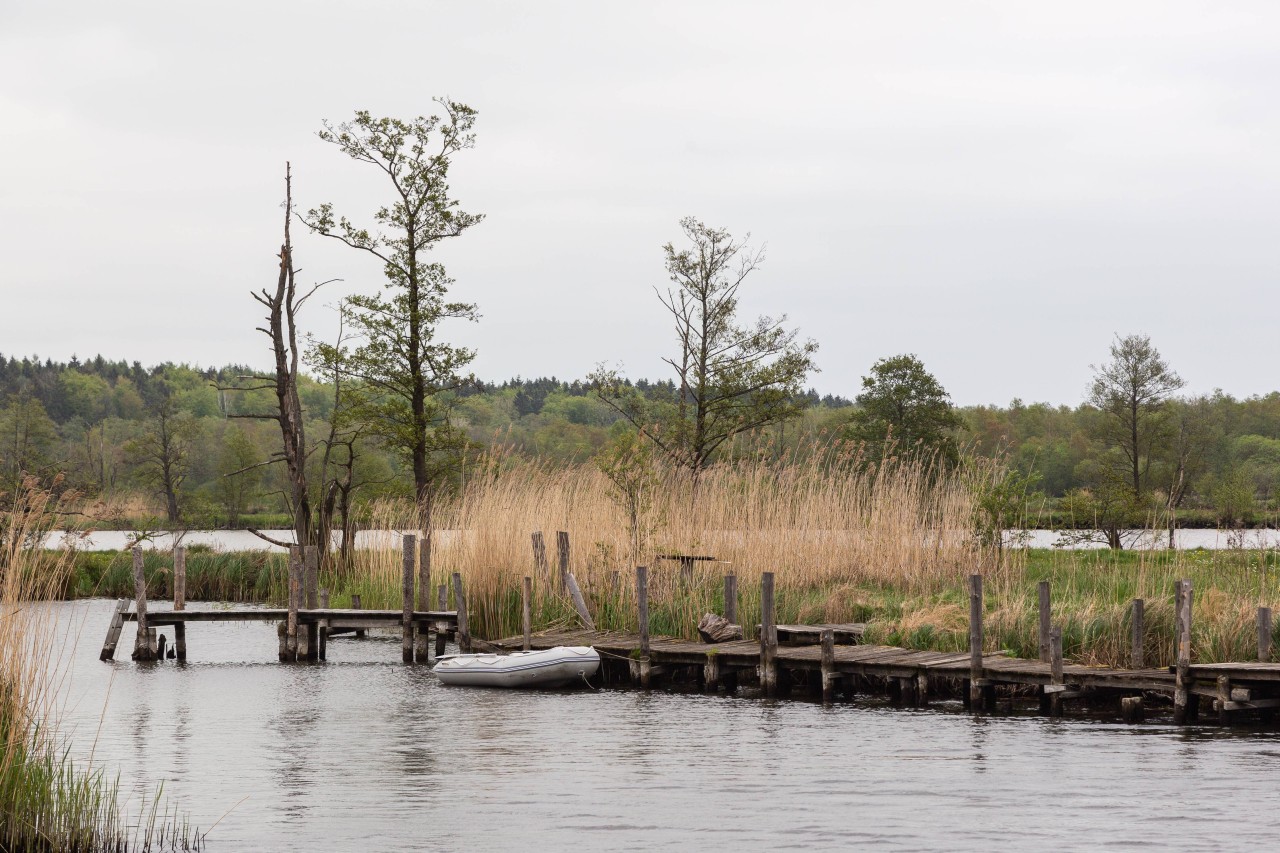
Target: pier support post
[180, 600]
[295, 593]
[642, 620]
[828, 664]
[460, 601]
[1131, 710]
[711, 673]
[1183, 695]
[311, 563]
[768, 637]
[355, 605]
[562, 556]
[1055, 662]
[526, 612]
[1264, 634]
[423, 642]
[410, 544]
[1046, 619]
[442, 604]
[1137, 657]
[323, 633]
[976, 680]
[142, 644]
[731, 598]
[1224, 696]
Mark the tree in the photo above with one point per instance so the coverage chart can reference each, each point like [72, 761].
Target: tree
[1131, 391]
[239, 473]
[903, 403]
[730, 379]
[1194, 428]
[162, 453]
[28, 437]
[399, 368]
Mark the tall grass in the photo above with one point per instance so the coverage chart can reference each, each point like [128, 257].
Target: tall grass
[47, 803]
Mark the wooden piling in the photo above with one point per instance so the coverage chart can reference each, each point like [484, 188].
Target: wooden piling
[295, 593]
[642, 621]
[579, 603]
[711, 673]
[1182, 690]
[731, 598]
[423, 643]
[180, 600]
[768, 637]
[160, 644]
[311, 565]
[355, 605]
[1137, 656]
[1264, 634]
[324, 627]
[460, 601]
[1223, 699]
[540, 555]
[113, 630]
[828, 664]
[1131, 710]
[142, 648]
[562, 556]
[442, 603]
[1045, 620]
[976, 680]
[406, 618]
[526, 612]
[1055, 663]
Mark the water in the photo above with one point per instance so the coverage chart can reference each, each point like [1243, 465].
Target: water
[243, 540]
[365, 753]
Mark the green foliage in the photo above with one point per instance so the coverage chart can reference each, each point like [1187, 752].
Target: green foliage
[904, 406]
[1002, 504]
[628, 463]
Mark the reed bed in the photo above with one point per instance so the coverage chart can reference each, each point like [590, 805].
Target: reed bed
[47, 802]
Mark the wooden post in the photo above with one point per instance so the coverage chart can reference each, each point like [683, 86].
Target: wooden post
[976, 680]
[711, 673]
[460, 601]
[1055, 659]
[113, 630]
[180, 600]
[160, 644]
[142, 649]
[1137, 658]
[442, 603]
[311, 562]
[355, 605]
[1224, 696]
[1178, 592]
[540, 554]
[731, 598]
[1131, 709]
[526, 612]
[1264, 634]
[642, 622]
[406, 615]
[768, 637]
[562, 555]
[295, 593]
[1045, 621]
[1183, 696]
[424, 596]
[324, 626]
[828, 664]
[579, 604]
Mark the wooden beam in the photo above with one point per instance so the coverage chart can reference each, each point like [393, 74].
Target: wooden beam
[540, 555]
[579, 603]
[1264, 634]
[113, 630]
[731, 598]
[562, 556]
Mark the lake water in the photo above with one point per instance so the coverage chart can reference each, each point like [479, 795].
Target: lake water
[365, 753]
[243, 540]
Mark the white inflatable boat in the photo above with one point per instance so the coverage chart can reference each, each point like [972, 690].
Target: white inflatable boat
[547, 668]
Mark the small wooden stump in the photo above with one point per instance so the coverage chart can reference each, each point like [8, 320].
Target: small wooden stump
[1131, 709]
[718, 629]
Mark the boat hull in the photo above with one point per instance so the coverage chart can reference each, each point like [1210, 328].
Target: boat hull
[556, 667]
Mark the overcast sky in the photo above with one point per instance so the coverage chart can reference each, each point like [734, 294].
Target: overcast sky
[998, 188]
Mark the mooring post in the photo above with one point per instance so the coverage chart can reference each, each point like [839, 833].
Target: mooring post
[579, 603]
[424, 596]
[976, 680]
[526, 612]
[324, 626]
[768, 637]
[295, 593]
[828, 664]
[731, 598]
[1045, 620]
[142, 648]
[355, 605]
[460, 601]
[1222, 699]
[180, 600]
[1055, 661]
[562, 555]
[406, 615]
[1183, 695]
[311, 563]
[642, 621]
[1264, 634]
[1178, 593]
[442, 603]
[1137, 659]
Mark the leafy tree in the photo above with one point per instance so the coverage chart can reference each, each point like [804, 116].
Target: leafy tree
[1132, 391]
[400, 368]
[238, 474]
[163, 452]
[902, 402]
[628, 463]
[28, 440]
[730, 378]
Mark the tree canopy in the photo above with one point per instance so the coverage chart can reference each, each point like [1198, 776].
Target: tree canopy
[901, 402]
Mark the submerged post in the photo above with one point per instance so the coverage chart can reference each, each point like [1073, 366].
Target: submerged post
[976, 680]
[442, 603]
[1137, 658]
[424, 595]
[142, 648]
[406, 615]
[768, 637]
[642, 621]
[295, 593]
[1045, 620]
[180, 600]
[1183, 697]
[460, 601]
[828, 664]
[526, 612]
[355, 605]
[1264, 634]
[562, 555]
[731, 598]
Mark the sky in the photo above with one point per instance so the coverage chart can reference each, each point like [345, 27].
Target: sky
[998, 188]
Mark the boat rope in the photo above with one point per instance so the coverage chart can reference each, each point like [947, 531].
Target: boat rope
[585, 681]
